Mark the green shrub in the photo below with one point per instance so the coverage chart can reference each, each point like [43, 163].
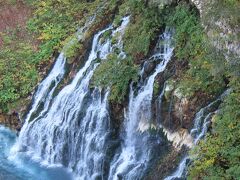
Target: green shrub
[218, 156]
[143, 28]
[137, 38]
[18, 73]
[116, 73]
[54, 21]
[192, 45]
[71, 46]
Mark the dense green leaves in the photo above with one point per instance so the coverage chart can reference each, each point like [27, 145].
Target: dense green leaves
[142, 30]
[192, 45]
[18, 74]
[138, 37]
[116, 73]
[218, 157]
[56, 20]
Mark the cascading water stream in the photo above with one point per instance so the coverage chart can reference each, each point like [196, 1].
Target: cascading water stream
[74, 129]
[202, 122]
[45, 91]
[19, 166]
[135, 153]
[47, 87]
[158, 106]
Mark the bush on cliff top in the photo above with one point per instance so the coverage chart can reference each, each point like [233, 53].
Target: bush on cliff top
[55, 20]
[146, 22]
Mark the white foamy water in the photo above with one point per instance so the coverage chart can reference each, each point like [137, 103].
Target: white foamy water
[73, 131]
[135, 153]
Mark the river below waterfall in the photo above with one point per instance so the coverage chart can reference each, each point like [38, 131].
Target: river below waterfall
[21, 167]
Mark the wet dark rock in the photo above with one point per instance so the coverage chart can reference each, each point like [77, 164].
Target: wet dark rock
[175, 112]
[179, 113]
[166, 165]
[116, 114]
[11, 120]
[149, 67]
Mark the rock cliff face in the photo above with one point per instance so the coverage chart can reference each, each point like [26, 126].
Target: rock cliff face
[219, 28]
[174, 111]
[12, 121]
[198, 4]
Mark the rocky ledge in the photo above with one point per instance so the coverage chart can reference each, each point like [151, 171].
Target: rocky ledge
[11, 120]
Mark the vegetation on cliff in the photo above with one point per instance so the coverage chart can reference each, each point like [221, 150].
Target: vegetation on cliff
[116, 73]
[18, 70]
[143, 28]
[192, 46]
[218, 157]
[55, 20]
[207, 69]
[17, 79]
[30, 45]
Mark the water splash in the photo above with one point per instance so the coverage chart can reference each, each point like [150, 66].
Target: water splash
[24, 168]
[73, 130]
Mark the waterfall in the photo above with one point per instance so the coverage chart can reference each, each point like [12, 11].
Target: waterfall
[202, 122]
[74, 128]
[135, 154]
[47, 86]
[158, 106]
